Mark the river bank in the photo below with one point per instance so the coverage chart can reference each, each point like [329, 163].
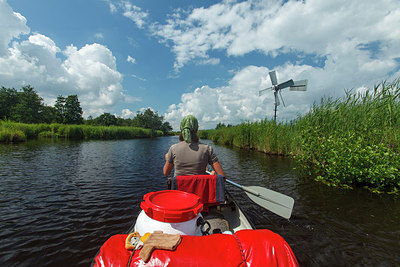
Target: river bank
[20, 132]
[349, 142]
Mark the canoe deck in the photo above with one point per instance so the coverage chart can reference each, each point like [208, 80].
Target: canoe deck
[227, 216]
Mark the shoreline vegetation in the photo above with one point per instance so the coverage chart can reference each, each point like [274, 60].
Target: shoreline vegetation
[25, 116]
[20, 132]
[347, 142]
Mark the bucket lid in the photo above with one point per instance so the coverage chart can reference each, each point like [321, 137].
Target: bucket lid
[171, 206]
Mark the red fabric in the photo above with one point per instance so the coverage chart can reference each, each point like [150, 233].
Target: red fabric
[113, 252]
[248, 248]
[265, 248]
[203, 186]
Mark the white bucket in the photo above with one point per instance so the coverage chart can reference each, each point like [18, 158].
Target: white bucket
[170, 211]
[145, 224]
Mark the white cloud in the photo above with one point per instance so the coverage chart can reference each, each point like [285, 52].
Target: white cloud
[93, 71]
[13, 25]
[321, 28]
[113, 8]
[127, 113]
[139, 78]
[355, 44]
[134, 13]
[90, 71]
[237, 102]
[130, 59]
[99, 35]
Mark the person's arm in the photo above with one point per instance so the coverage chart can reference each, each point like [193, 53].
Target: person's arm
[218, 168]
[167, 166]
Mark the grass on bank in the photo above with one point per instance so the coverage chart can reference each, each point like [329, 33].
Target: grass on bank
[19, 132]
[350, 141]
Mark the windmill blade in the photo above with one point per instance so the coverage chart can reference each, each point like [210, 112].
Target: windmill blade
[277, 103]
[272, 76]
[299, 86]
[264, 91]
[283, 102]
[285, 84]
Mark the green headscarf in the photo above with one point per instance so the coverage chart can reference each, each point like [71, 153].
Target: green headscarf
[189, 126]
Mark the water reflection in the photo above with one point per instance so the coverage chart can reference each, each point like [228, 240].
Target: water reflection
[60, 201]
[329, 226]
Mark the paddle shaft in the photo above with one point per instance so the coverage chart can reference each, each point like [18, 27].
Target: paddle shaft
[275, 202]
[249, 190]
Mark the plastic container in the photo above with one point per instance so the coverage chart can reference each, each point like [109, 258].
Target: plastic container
[170, 211]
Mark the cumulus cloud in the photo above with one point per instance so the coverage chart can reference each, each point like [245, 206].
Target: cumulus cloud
[277, 27]
[89, 71]
[237, 102]
[127, 113]
[13, 25]
[352, 45]
[93, 70]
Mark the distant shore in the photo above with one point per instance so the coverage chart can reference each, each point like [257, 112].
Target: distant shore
[20, 132]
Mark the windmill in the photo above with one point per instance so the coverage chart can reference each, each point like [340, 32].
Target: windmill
[294, 86]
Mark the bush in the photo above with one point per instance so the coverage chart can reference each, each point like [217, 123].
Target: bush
[10, 136]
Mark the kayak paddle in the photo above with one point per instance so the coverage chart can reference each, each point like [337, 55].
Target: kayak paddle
[275, 202]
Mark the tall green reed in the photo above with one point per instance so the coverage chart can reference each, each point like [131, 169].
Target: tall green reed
[23, 131]
[349, 141]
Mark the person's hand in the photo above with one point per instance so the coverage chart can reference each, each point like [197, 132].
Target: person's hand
[212, 172]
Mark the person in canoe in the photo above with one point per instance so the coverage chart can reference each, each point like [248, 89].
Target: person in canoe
[189, 156]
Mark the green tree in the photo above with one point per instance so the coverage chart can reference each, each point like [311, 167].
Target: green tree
[166, 127]
[106, 119]
[220, 125]
[8, 100]
[28, 106]
[148, 119]
[60, 108]
[48, 114]
[73, 111]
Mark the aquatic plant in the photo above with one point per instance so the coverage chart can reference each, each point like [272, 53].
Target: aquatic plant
[12, 131]
[354, 141]
[349, 141]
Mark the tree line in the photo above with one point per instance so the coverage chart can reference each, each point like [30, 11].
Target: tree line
[26, 106]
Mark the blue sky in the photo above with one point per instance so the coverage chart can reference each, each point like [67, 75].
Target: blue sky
[205, 58]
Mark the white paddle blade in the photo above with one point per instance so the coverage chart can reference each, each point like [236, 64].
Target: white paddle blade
[272, 76]
[275, 202]
[299, 86]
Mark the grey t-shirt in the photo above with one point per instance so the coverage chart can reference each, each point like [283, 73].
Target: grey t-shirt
[191, 159]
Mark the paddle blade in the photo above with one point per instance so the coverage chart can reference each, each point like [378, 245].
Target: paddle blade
[275, 202]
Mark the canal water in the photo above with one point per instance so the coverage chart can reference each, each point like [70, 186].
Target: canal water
[59, 201]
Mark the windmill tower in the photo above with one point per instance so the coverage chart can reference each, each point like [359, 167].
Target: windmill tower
[294, 86]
